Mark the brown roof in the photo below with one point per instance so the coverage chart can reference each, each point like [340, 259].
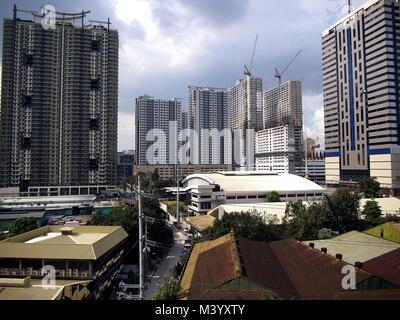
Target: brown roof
[239, 294]
[369, 295]
[386, 267]
[315, 276]
[218, 258]
[287, 269]
[201, 222]
[258, 261]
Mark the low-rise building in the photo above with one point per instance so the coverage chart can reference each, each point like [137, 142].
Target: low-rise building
[208, 191]
[235, 268]
[84, 253]
[355, 246]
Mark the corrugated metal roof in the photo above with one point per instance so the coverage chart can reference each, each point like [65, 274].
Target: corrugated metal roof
[356, 246]
[88, 243]
[201, 222]
[288, 268]
[198, 266]
[316, 276]
[386, 266]
[262, 267]
[369, 295]
[391, 231]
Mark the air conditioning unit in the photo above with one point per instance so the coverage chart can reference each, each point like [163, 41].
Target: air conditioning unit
[61, 273]
[69, 273]
[29, 271]
[76, 273]
[35, 273]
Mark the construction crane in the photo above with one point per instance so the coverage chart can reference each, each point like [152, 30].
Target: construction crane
[247, 71]
[279, 74]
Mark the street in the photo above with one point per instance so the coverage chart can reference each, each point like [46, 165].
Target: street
[168, 263]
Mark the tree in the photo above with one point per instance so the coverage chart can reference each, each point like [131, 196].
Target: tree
[372, 212]
[98, 219]
[249, 224]
[168, 290]
[273, 196]
[369, 187]
[342, 210]
[338, 212]
[22, 225]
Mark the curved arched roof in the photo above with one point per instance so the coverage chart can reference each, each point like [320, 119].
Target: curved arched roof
[257, 181]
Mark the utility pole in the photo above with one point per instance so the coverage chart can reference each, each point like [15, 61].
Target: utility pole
[177, 177]
[141, 240]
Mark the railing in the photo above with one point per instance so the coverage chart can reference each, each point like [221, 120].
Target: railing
[60, 273]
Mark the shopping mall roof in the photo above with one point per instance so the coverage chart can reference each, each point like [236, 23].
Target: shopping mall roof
[255, 182]
[356, 246]
[58, 242]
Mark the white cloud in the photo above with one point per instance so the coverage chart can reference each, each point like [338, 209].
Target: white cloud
[126, 131]
[314, 117]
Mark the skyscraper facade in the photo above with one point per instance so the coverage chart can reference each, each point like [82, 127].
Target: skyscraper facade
[361, 95]
[208, 110]
[59, 114]
[163, 116]
[283, 123]
[245, 112]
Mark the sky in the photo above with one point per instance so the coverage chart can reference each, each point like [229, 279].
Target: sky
[168, 45]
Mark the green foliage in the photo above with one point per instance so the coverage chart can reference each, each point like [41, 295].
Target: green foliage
[342, 210]
[372, 212]
[304, 222]
[248, 224]
[338, 212]
[172, 208]
[22, 225]
[273, 196]
[168, 290]
[369, 187]
[128, 218]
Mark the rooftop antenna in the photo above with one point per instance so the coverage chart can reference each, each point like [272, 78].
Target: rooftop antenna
[350, 6]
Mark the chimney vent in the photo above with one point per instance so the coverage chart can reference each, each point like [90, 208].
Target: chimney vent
[312, 245]
[339, 257]
[359, 265]
[324, 250]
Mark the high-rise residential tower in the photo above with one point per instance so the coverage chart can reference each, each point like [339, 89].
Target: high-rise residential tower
[245, 112]
[59, 112]
[163, 116]
[361, 95]
[208, 110]
[283, 123]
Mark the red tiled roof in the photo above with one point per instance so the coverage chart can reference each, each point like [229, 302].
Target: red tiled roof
[386, 267]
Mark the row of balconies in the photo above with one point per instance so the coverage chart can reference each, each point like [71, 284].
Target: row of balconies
[62, 273]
